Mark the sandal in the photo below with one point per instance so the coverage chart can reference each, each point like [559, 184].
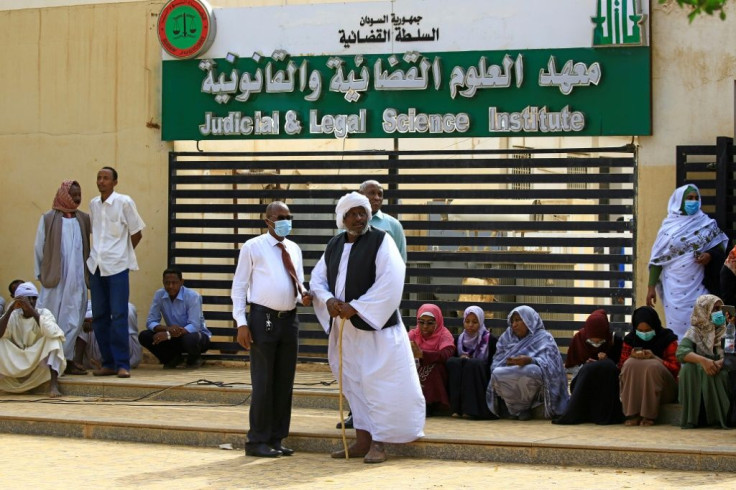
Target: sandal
[73, 369]
[645, 422]
[632, 421]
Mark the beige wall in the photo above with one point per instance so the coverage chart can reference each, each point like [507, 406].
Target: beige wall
[694, 68]
[81, 86]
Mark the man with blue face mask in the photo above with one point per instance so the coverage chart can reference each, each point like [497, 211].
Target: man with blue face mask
[270, 277]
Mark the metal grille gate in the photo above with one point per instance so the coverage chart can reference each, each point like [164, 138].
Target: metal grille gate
[549, 228]
[712, 168]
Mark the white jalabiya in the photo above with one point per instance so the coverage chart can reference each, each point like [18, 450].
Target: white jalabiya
[28, 349]
[681, 281]
[92, 358]
[68, 300]
[380, 378]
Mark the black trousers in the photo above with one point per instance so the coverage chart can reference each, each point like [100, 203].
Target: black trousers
[272, 365]
[191, 344]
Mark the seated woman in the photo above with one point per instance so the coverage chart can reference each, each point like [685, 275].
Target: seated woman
[527, 370]
[595, 396]
[648, 368]
[432, 344]
[469, 372]
[704, 392]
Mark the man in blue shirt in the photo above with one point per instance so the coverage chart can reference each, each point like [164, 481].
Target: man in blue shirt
[374, 192]
[184, 331]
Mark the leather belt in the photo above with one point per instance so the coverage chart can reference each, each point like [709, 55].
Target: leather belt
[276, 313]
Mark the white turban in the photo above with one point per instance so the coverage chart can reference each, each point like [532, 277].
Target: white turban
[26, 289]
[348, 202]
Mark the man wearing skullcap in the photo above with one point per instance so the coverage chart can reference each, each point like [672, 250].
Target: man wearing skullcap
[360, 278]
[62, 247]
[31, 345]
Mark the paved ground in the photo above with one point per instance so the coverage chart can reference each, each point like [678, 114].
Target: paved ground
[46, 462]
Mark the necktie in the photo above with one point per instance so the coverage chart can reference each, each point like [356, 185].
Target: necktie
[289, 266]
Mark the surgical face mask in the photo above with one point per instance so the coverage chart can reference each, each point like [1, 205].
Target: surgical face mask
[595, 344]
[282, 227]
[646, 336]
[691, 207]
[718, 318]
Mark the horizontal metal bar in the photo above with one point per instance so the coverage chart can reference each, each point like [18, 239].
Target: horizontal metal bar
[382, 163]
[454, 178]
[459, 273]
[262, 154]
[539, 241]
[429, 194]
[480, 209]
[467, 225]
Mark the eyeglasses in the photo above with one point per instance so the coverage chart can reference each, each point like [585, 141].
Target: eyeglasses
[284, 217]
[427, 323]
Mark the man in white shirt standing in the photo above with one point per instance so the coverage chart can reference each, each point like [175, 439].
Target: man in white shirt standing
[270, 277]
[116, 230]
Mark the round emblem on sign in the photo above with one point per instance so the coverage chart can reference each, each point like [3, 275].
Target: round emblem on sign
[186, 28]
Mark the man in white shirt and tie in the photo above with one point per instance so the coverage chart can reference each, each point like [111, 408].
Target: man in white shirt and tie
[270, 277]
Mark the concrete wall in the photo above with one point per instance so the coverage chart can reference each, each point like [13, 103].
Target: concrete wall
[694, 68]
[81, 89]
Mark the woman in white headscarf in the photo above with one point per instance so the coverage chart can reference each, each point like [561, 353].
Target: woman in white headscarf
[469, 372]
[686, 258]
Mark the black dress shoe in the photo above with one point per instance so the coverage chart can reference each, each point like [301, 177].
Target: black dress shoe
[174, 362]
[262, 451]
[286, 451]
[348, 423]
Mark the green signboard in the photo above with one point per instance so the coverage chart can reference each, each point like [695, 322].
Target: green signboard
[539, 92]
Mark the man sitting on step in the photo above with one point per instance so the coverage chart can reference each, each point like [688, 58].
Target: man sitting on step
[184, 331]
[31, 345]
[86, 350]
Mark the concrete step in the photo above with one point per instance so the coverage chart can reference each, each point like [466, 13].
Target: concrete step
[314, 388]
[209, 407]
[313, 430]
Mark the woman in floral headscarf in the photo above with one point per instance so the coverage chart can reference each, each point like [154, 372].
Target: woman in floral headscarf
[686, 258]
[703, 381]
[432, 344]
[469, 371]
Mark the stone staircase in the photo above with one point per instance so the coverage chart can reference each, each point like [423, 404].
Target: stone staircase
[209, 407]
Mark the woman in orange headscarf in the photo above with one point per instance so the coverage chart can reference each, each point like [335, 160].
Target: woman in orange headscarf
[432, 344]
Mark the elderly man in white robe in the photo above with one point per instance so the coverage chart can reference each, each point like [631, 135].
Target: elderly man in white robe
[31, 345]
[360, 278]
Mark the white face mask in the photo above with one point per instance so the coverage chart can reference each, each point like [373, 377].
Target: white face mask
[595, 344]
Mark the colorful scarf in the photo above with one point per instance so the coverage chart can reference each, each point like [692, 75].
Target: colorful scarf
[439, 339]
[63, 201]
[474, 347]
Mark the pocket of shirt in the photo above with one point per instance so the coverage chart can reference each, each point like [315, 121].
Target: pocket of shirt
[115, 228]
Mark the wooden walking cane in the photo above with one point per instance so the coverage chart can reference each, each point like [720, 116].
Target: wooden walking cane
[339, 383]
